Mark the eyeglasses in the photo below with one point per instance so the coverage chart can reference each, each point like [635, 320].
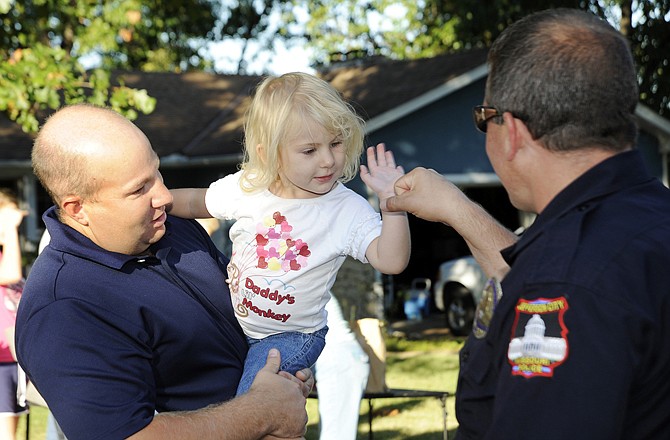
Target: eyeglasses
[482, 114]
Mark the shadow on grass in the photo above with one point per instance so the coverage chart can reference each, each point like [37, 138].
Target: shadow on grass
[420, 365]
[390, 435]
[391, 407]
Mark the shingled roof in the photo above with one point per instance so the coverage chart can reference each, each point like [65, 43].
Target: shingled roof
[200, 114]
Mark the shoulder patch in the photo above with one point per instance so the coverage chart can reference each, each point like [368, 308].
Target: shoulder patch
[539, 341]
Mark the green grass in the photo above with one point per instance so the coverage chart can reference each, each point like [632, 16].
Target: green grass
[38, 424]
[430, 364]
[411, 364]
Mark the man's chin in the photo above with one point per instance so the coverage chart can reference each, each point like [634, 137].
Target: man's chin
[160, 233]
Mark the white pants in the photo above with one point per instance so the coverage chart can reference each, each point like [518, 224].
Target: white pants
[341, 375]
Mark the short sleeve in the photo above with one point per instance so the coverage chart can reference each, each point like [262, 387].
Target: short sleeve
[223, 197]
[363, 232]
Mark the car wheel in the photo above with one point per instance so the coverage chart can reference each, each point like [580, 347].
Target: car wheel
[460, 310]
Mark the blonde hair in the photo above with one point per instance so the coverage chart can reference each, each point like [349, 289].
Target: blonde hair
[279, 106]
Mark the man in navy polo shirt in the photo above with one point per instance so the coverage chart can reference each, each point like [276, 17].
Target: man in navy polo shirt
[572, 343]
[126, 326]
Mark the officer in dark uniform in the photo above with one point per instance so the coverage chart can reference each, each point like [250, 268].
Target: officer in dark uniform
[570, 341]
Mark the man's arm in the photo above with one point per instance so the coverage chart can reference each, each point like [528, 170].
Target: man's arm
[429, 196]
[98, 374]
[274, 407]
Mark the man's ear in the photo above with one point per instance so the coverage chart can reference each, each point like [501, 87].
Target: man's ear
[73, 207]
[517, 135]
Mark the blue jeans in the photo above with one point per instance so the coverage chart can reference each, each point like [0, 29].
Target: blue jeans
[298, 350]
[53, 429]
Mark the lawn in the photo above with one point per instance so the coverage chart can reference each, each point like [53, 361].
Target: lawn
[426, 364]
[38, 424]
[411, 364]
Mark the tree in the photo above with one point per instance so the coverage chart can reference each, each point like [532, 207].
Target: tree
[407, 29]
[650, 39]
[47, 42]
[44, 42]
[252, 21]
[341, 30]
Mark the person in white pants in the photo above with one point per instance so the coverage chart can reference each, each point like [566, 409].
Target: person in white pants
[341, 375]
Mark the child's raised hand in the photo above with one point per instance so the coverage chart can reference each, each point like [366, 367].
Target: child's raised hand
[381, 173]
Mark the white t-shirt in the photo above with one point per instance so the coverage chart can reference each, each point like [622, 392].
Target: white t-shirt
[286, 252]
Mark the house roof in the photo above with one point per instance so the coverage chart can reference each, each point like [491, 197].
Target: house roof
[377, 85]
[200, 115]
[15, 145]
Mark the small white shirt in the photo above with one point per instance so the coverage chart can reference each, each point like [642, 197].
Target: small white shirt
[286, 252]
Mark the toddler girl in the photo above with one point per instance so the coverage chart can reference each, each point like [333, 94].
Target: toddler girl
[295, 221]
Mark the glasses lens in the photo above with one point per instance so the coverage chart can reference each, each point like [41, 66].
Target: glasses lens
[482, 114]
[481, 122]
[479, 115]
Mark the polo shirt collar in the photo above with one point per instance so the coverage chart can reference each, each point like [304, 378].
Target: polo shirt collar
[66, 239]
[620, 171]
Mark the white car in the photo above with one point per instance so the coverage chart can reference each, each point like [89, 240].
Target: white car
[457, 290]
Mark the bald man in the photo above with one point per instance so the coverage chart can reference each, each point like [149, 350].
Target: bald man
[126, 326]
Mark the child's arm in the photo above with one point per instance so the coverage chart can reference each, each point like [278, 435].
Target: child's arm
[388, 253]
[189, 203]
